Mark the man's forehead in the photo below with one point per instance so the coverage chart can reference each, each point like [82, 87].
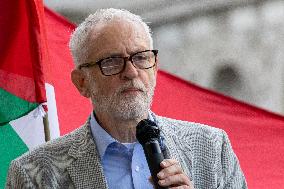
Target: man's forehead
[108, 35]
[117, 27]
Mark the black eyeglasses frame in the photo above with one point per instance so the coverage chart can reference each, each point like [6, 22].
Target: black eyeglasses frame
[91, 64]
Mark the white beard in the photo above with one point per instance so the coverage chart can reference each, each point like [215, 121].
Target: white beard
[125, 106]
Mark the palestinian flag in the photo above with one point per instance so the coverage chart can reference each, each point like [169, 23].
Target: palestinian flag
[23, 60]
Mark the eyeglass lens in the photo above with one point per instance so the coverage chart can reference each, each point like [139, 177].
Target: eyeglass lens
[114, 65]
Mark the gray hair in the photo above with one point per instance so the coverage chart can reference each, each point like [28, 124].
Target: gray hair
[79, 39]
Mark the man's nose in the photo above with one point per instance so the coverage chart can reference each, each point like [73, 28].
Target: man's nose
[129, 71]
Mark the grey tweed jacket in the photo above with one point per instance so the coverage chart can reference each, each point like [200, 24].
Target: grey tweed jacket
[72, 161]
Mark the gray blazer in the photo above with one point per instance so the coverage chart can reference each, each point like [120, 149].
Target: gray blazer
[72, 161]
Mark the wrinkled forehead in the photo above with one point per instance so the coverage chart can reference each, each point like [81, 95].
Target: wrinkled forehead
[117, 29]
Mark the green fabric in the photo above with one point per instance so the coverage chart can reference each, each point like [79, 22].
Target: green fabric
[13, 107]
[11, 146]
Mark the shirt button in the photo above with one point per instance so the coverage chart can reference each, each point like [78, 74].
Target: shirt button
[137, 168]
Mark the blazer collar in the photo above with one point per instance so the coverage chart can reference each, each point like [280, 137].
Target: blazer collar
[86, 170]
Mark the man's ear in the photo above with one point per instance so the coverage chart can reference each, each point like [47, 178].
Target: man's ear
[80, 81]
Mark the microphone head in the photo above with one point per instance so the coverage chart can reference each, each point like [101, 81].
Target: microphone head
[147, 131]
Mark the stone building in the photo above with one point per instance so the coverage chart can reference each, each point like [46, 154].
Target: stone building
[235, 47]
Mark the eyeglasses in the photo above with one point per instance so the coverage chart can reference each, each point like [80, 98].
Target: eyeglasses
[115, 64]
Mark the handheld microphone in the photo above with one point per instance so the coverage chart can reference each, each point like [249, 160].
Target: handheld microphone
[148, 135]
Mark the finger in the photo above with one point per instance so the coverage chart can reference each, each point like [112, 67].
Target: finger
[175, 180]
[168, 162]
[169, 171]
[151, 180]
[182, 187]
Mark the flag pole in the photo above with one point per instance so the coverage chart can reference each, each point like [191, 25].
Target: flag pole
[46, 127]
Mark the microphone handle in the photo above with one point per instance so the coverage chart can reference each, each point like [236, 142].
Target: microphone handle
[154, 157]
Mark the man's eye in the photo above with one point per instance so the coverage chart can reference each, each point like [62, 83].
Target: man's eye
[111, 67]
[140, 57]
[112, 63]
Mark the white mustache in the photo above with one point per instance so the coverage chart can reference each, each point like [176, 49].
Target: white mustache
[133, 84]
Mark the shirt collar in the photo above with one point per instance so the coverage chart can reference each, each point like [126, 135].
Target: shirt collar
[101, 137]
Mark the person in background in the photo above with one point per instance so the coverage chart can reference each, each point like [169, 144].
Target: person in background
[116, 68]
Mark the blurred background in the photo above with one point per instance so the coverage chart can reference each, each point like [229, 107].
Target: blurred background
[235, 47]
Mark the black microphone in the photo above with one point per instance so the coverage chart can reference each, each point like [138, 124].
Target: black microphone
[148, 135]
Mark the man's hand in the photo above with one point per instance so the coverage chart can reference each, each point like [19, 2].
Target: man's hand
[172, 175]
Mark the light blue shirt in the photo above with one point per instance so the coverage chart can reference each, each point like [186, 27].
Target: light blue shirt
[124, 164]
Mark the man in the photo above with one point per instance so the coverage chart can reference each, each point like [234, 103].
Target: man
[116, 67]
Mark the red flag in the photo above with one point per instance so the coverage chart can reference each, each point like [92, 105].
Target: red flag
[257, 136]
[22, 57]
[72, 108]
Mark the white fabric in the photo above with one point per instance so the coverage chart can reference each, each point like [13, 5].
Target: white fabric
[52, 112]
[30, 128]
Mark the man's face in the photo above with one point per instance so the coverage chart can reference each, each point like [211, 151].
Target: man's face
[128, 95]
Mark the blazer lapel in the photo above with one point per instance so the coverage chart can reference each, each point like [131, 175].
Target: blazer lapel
[86, 170]
[174, 149]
